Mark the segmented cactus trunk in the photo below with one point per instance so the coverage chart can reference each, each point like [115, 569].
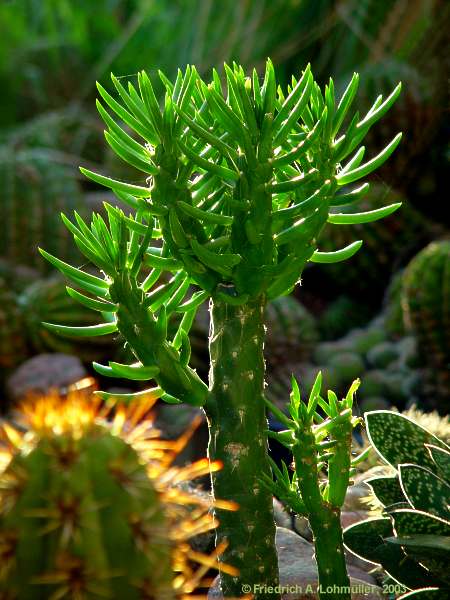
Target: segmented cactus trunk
[325, 516]
[329, 550]
[237, 422]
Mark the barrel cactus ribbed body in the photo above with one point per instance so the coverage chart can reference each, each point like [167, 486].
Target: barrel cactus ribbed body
[35, 189]
[82, 517]
[426, 301]
[13, 343]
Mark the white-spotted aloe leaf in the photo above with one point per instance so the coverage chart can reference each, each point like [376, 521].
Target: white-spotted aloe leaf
[441, 458]
[398, 440]
[425, 491]
[387, 490]
[368, 541]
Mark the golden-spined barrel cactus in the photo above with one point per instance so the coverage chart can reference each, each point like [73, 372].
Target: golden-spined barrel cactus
[88, 507]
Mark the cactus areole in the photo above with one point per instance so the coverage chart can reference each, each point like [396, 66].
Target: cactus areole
[241, 179]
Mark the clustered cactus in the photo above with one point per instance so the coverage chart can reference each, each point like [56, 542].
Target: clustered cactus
[319, 435]
[240, 183]
[89, 507]
[425, 299]
[411, 540]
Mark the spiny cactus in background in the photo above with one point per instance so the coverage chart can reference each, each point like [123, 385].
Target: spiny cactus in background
[48, 300]
[21, 317]
[319, 435]
[35, 189]
[239, 183]
[386, 244]
[13, 344]
[17, 277]
[341, 315]
[426, 301]
[89, 507]
[411, 540]
[394, 314]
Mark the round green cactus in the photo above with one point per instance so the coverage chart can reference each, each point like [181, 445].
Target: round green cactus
[35, 190]
[13, 344]
[80, 514]
[426, 301]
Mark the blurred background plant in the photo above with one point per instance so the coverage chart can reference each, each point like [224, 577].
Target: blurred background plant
[348, 320]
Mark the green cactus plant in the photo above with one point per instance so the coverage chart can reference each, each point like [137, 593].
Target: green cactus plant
[322, 448]
[426, 303]
[36, 188]
[240, 184]
[411, 540]
[80, 514]
[13, 343]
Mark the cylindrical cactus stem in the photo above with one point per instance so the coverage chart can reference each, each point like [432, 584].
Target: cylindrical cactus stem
[325, 523]
[237, 422]
[324, 519]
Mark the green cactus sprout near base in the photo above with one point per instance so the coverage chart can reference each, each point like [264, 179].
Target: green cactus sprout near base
[239, 181]
[411, 541]
[321, 447]
[81, 516]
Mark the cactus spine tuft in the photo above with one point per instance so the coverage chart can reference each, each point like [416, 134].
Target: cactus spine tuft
[81, 516]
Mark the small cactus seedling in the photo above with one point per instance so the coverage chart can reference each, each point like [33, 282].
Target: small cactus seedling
[321, 447]
[239, 181]
[411, 541]
[88, 506]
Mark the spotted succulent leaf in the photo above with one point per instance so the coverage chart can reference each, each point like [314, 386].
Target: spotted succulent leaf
[386, 489]
[409, 522]
[364, 539]
[425, 491]
[398, 440]
[367, 540]
[441, 458]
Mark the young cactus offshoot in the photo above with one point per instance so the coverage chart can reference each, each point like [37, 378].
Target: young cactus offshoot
[239, 179]
[321, 447]
[82, 516]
